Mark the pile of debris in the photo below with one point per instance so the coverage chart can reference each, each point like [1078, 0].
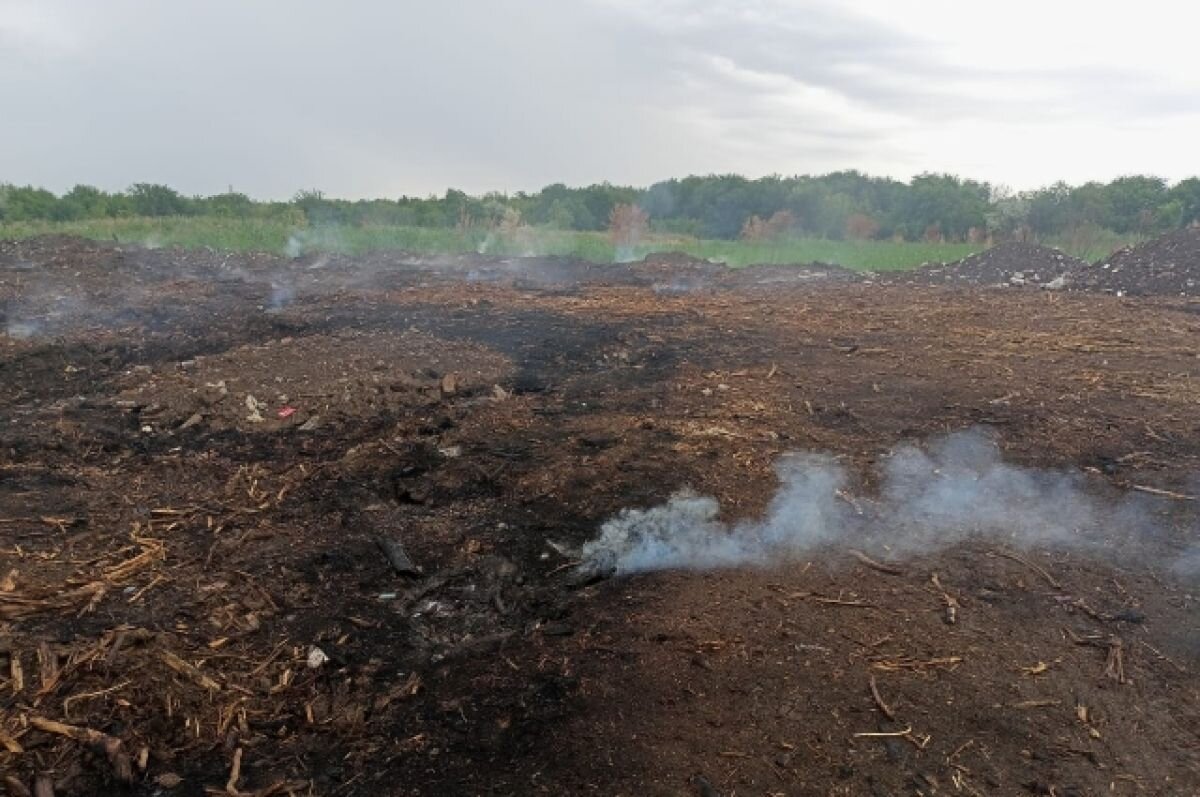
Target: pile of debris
[774, 276]
[1165, 266]
[1008, 264]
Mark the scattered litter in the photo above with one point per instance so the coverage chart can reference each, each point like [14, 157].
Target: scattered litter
[393, 551]
[316, 657]
[255, 408]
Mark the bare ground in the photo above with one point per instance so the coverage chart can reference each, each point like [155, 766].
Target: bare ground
[170, 565]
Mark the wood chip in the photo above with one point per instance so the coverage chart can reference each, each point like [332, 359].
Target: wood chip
[191, 671]
[110, 746]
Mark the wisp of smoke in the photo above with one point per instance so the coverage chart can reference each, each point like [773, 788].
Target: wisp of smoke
[281, 296]
[626, 253]
[312, 239]
[1188, 565]
[957, 488]
[21, 330]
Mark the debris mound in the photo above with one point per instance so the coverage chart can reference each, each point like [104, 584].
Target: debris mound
[677, 273]
[1007, 264]
[769, 275]
[1165, 266]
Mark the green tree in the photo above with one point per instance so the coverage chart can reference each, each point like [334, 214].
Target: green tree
[945, 202]
[1187, 194]
[82, 202]
[152, 199]
[228, 205]
[26, 203]
[1132, 203]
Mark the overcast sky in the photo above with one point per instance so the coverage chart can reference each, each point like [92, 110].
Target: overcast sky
[389, 97]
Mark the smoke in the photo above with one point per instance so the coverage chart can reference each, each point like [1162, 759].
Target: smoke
[22, 330]
[957, 488]
[516, 241]
[313, 239]
[626, 253]
[1188, 565]
[282, 294]
[42, 310]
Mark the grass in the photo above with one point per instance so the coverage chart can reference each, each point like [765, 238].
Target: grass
[284, 238]
[1093, 244]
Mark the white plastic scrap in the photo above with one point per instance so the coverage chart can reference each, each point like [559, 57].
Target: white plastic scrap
[255, 407]
[316, 657]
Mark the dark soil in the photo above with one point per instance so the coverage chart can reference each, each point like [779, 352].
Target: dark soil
[1011, 264]
[202, 578]
[1165, 266]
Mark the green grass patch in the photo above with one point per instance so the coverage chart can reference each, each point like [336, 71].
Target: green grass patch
[243, 235]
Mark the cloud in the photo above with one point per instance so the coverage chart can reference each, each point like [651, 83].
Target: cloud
[32, 30]
[383, 98]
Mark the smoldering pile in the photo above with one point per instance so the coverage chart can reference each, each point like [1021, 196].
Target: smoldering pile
[955, 489]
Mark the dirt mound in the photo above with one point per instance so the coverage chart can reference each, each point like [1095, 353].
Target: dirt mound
[1166, 266]
[769, 275]
[1006, 264]
[678, 273]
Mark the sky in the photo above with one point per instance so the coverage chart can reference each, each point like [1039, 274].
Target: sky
[373, 98]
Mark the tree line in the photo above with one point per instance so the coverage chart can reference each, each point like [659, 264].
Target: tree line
[840, 205]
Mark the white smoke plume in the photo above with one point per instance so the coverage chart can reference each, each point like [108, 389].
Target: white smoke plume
[282, 294]
[957, 488]
[313, 239]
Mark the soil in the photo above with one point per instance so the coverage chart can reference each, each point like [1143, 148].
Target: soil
[1011, 264]
[310, 527]
[1165, 266]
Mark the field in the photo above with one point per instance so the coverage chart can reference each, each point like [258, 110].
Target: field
[249, 235]
[328, 525]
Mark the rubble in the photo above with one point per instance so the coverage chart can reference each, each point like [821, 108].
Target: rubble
[1164, 266]
[1011, 264]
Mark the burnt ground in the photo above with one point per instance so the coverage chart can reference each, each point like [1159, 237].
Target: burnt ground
[193, 597]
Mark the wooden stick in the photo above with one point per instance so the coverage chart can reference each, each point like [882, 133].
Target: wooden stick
[1035, 704]
[16, 788]
[86, 695]
[235, 772]
[111, 746]
[883, 734]
[887, 712]
[566, 566]
[1141, 488]
[840, 602]
[15, 671]
[9, 743]
[191, 671]
[875, 565]
[1034, 567]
